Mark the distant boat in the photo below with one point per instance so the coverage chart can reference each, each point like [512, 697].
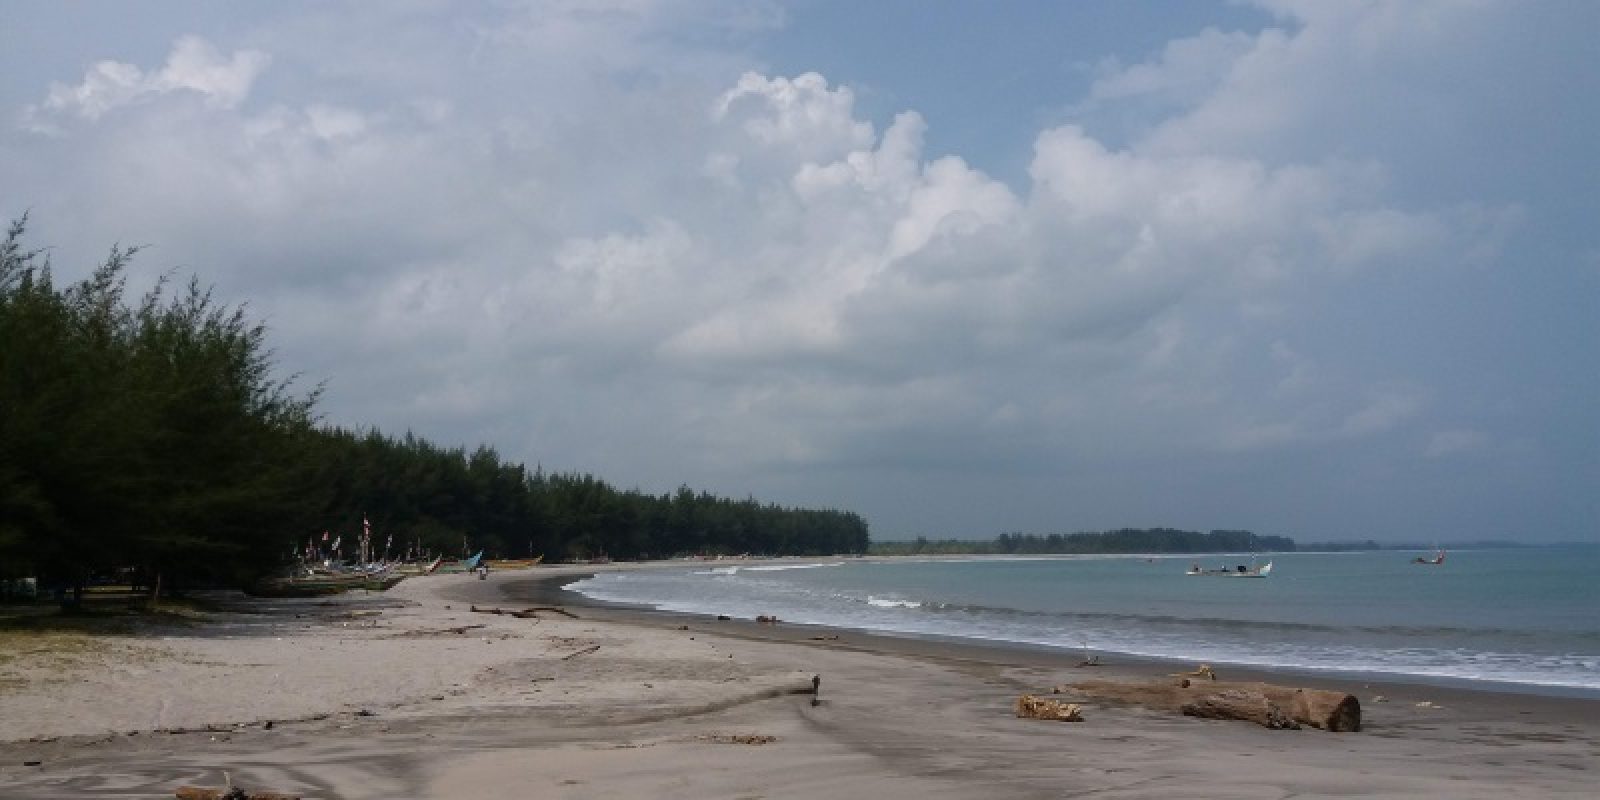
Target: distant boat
[515, 563]
[1438, 558]
[464, 565]
[318, 583]
[1240, 571]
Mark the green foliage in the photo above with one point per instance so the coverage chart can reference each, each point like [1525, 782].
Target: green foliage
[450, 501]
[148, 437]
[1126, 540]
[154, 437]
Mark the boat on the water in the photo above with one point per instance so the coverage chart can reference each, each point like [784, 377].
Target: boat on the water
[1240, 571]
[1438, 558]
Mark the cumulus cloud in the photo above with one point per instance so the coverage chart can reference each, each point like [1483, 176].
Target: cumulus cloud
[604, 248]
[194, 66]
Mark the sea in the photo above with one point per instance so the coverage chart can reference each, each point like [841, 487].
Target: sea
[1514, 619]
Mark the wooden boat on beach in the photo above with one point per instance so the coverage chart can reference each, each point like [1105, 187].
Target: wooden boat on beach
[464, 565]
[515, 563]
[319, 583]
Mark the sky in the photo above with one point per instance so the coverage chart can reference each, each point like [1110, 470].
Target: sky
[1320, 270]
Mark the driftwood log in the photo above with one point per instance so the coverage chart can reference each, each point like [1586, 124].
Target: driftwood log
[198, 793]
[1255, 702]
[584, 651]
[1245, 704]
[526, 613]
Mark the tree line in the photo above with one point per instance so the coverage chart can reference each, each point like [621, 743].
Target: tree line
[1125, 540]
[154, 437]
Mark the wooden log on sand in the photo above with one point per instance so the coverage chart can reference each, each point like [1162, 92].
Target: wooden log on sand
[1242, 704]
[1318, 708]
[526, 613]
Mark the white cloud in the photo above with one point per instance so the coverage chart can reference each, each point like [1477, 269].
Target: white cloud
[803, 116]
[607, 249]
[1187, 71]
[193, 66]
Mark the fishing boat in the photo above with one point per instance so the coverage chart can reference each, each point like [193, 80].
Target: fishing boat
[322, 582]
[515, 563]
[1438, 558]
[464, 565]
[1240, 571]
[382, 581]
[308, 584]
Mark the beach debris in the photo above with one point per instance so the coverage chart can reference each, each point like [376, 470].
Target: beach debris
[1319, 708]
[586, 650]
[737, 738]
[1034, 707]
[532, 612]
[1428, 704]
[231, 793]
[458, 630]
[829, 638]
[1203, 671]
[33, 763]
[1089, 660]
[765, 619]
[723, 618]
[1378, 698]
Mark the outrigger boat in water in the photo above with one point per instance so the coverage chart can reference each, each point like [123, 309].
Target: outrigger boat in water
[1240, 571]
[1438, 558]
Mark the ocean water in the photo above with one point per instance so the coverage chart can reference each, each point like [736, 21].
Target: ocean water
[1508, 619]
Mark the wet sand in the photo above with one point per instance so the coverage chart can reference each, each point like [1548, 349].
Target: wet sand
[377, 696]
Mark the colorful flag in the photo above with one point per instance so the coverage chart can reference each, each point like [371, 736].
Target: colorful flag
[324, 536]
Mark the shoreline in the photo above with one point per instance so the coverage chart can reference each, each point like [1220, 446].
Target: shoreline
[408, 693]
[552, 588]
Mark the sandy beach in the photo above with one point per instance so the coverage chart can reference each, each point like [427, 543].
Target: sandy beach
[410, 694]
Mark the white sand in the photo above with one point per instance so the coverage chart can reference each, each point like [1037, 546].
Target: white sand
[376, 697]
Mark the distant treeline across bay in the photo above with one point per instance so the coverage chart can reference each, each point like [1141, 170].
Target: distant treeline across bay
[1126, 540]
[151, 440]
